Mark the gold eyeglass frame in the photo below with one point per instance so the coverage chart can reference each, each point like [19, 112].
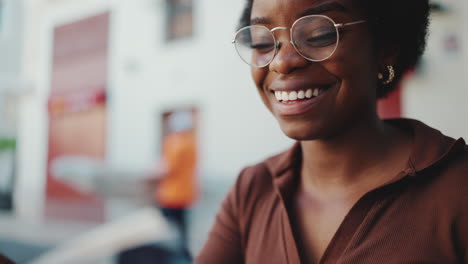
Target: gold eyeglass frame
[291, 41]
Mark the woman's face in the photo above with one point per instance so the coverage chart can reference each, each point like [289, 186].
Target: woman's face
[346, 82]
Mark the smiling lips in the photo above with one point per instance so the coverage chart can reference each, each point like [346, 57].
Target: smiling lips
[283, 96]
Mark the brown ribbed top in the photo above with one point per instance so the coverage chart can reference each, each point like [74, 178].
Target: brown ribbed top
[420, 218]
[4, 260]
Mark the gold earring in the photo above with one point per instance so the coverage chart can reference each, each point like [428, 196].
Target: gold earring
[391, 75]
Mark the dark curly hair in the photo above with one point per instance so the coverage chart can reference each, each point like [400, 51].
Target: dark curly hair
[398, 25]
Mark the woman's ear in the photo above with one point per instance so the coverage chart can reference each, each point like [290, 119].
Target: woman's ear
[388, 57]
[387, 68]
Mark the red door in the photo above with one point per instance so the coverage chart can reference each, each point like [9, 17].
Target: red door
[77, 116]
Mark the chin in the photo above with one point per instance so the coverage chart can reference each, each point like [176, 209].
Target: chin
[301, 132]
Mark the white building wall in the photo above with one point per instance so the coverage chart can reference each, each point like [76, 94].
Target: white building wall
[10, 36]
[11, 28]
[438, 95]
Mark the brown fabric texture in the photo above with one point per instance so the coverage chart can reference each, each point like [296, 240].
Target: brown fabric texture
[422, 217]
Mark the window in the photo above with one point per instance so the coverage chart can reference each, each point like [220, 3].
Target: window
[2, 16]
[179, 19]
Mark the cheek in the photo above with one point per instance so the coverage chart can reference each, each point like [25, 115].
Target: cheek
[355, 64]
[259, 77]
[355, 55]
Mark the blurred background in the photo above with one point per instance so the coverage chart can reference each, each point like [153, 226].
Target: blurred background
[87, 91]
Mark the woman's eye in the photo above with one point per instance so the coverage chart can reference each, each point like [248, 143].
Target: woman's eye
[262, 46]
[322, 36]
[322, 39]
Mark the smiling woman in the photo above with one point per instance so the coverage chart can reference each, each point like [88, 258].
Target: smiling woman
[354, 188]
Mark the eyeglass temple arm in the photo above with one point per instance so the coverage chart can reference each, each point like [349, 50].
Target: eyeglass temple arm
[350, 23]
[272, 30]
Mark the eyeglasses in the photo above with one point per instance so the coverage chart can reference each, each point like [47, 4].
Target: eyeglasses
[314, 37]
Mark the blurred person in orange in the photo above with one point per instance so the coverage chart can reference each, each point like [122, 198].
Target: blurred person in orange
[177, 189]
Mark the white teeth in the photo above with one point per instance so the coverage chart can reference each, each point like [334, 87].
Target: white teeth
[278, 95]
[295, 95]
[292, 96]
[316, 92]
[301, 94]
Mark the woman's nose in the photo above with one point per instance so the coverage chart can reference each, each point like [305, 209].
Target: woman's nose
[287, 59]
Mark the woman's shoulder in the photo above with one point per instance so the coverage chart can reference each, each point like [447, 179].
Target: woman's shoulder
[454, 171]
[434, 153]
[260, 175]
[264, 174]
[444, 184]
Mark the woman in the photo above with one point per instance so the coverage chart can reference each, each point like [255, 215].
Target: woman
[354, 189]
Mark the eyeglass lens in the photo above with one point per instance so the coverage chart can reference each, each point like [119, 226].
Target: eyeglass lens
[314, 37]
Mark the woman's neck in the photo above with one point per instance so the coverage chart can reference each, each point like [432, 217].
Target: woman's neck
[365, 156]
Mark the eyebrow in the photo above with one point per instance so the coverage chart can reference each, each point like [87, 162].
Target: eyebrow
[333, 6]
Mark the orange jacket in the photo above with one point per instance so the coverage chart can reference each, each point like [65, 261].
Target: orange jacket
[178, 189]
